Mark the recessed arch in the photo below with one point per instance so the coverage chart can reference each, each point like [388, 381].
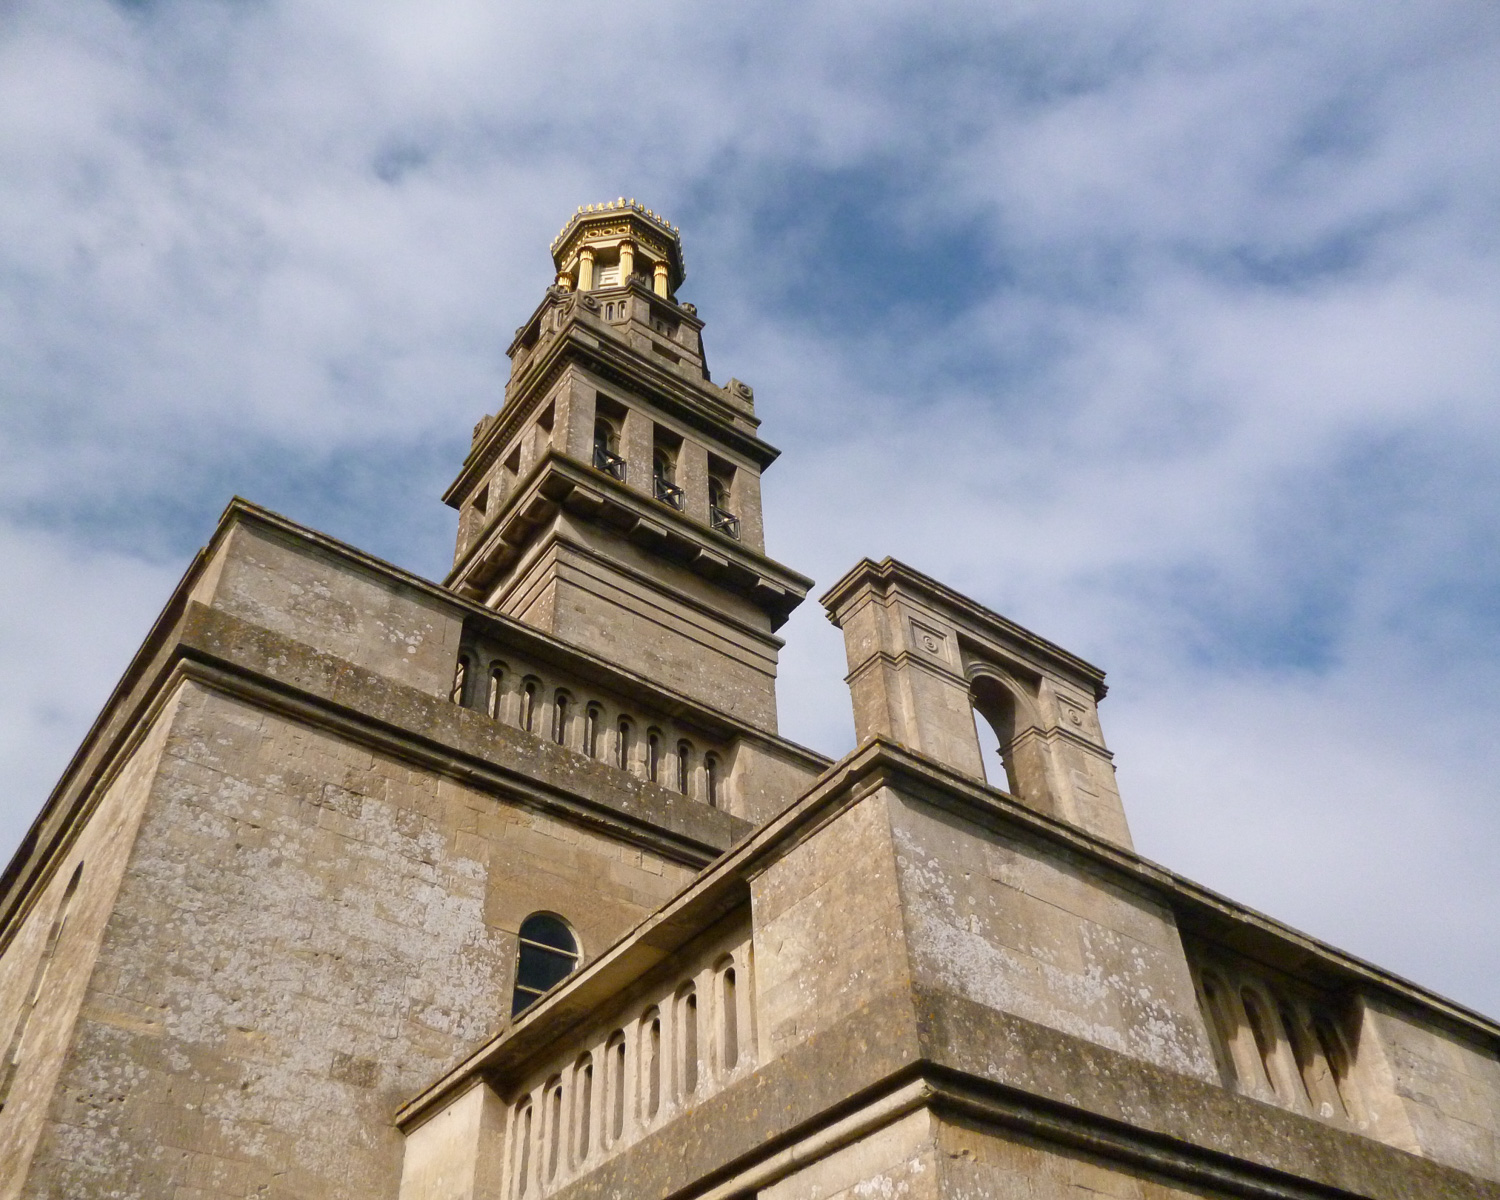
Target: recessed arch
[1000, 705]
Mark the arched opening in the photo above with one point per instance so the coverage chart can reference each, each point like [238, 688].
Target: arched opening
[653, 755]
[664, 473]
[530, 694]
[1260, 1030]
[1303, 1052]
[607, 449]
[523, 1148]
[614, 1062]
[721, 515]
[684, 765]
[1334, 1055]
[711, 781]
[729, 1017]
[624, 743]
[548, 955]
[554, 1092]
[583, 1083]
[592, 719]
[1221, 1024]
[562, 706]
[687, 1033]
[994, 708]
[460, 679]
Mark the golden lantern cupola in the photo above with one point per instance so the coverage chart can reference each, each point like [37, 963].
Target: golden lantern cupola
[607, 245]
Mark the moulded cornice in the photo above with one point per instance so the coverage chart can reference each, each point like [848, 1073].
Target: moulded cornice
[699, 405]
[891, 573]
[558, 482]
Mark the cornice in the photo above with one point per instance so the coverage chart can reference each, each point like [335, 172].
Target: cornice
[559, 482]
[122, 720]
[890, 572]
[590, 342]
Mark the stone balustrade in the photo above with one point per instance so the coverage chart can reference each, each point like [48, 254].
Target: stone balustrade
[590, 721]
[634, 1071]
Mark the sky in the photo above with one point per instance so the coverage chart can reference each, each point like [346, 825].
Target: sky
[1169, 330]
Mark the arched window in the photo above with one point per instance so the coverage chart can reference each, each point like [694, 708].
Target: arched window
[530, 692]
[684, 765]
[720, 511]
[995, 713]
[523, 1148]
[549, 953]
[711, 779]
[624, 743]
[653, 755]
[607, 449]
[592, 718]
[583, 1084]
[729, 1016]
[664, 476]
[687, 1038]
[614, 1065]
[460, 679]
[561, 703]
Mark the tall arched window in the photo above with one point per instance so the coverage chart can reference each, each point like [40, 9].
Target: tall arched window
[653, 755]
[684, 765]
[995, 712]
[497, 688]
[561, 704]
[607, 449]
[592, 718]
[711, 779]
[530, 693]
[624, 743]
[664, 476]
[549, 954]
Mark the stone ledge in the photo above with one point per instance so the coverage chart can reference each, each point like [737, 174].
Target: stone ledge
[450, 739]
[1077, 1097]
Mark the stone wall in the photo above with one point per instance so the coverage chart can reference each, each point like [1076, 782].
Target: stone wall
[306, 933]
[56, 982]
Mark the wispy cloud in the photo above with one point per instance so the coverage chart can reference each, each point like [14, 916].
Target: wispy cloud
[1168, 330]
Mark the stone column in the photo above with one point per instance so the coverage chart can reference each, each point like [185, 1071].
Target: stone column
[659, 279]
[692, 478]
[586, 270]
[627, 261]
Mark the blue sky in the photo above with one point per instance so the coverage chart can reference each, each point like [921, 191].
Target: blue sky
[1169, 330]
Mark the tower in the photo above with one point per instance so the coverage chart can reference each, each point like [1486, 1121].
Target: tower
[614, 500]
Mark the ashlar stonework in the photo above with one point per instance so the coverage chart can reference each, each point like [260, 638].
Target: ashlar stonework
[507, 888]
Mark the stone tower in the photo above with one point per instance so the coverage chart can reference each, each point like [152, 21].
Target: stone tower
[364, 886]
[614, 500]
